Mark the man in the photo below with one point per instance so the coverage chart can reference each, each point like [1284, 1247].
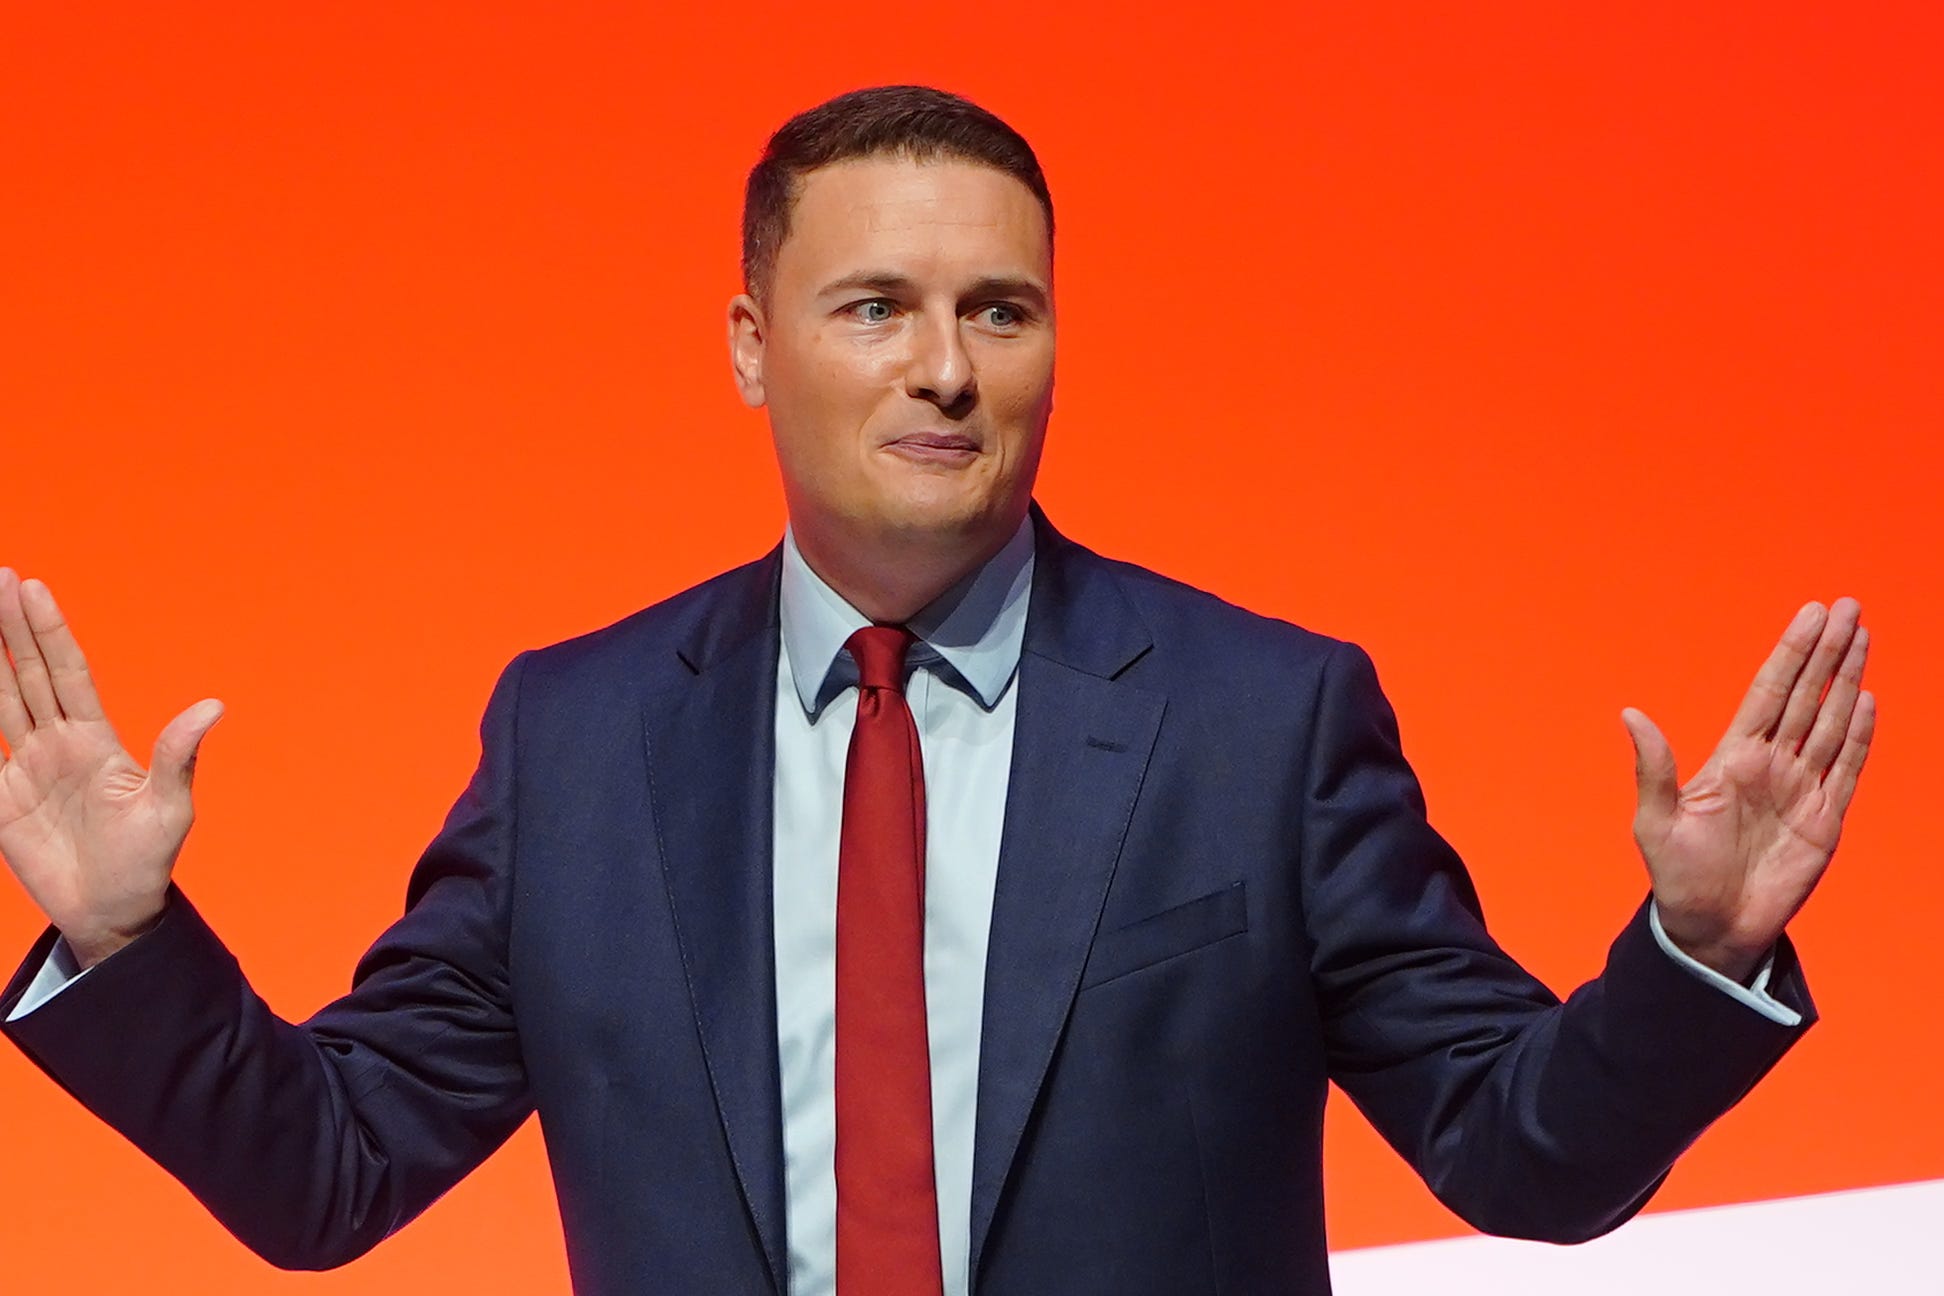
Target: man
[933, 905]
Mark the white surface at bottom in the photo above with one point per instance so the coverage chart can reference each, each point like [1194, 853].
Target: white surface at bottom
[1879, 1241]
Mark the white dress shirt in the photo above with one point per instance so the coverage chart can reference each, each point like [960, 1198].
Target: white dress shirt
[960, 687]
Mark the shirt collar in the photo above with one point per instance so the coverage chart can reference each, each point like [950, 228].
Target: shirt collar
[971, 634]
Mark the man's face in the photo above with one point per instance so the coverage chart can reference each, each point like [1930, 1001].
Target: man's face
[905, 354]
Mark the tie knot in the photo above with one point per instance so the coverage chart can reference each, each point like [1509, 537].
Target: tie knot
[879, 652]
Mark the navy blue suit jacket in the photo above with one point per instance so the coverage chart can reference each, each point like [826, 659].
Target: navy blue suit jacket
[1217, 890]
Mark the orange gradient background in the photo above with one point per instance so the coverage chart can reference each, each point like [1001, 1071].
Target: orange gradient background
[1556, 354]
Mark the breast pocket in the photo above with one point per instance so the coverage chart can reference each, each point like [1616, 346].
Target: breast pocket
[1171, 933]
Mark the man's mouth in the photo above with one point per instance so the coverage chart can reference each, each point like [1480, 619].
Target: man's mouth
[942, 448]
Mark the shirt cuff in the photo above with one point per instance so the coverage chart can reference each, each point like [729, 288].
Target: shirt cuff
[60, 971]
[1754, 995]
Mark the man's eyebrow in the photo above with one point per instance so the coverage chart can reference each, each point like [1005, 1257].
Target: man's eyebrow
[1009, 286]
[885, 281]
[892, 284]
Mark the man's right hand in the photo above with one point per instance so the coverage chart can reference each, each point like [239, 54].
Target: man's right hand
[89, 833]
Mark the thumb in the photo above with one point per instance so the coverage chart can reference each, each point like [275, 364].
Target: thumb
[173, 766]
[1660, 789]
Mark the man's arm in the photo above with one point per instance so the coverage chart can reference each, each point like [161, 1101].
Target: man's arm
[310, 1142]
[1527, 1117]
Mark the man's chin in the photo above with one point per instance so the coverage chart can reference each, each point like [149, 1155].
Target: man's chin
[944, 524]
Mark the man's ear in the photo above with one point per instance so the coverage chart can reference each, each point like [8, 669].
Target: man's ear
[746, 334]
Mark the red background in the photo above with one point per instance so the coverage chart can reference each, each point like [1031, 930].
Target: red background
[1554, 353]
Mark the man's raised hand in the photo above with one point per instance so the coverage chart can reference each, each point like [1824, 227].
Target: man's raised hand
[89, 833]
[1734, 853]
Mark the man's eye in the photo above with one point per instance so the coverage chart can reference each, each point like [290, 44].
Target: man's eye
[1003, 315]
[875, 311]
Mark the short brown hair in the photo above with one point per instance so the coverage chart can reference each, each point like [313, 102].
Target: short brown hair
[911, 121]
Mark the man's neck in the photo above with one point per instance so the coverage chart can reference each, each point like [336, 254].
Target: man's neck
[891, 584]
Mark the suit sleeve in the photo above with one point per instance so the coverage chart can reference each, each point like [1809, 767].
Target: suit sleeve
[312, 1142]
[1527, 1117]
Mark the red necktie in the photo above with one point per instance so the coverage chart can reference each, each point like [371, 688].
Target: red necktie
[887, 1197]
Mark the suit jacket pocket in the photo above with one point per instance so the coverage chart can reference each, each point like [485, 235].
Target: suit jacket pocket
[1168, 934]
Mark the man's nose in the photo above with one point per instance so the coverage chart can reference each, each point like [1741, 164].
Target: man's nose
[940, 369]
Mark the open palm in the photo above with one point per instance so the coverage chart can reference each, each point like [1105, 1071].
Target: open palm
[1735, 852]
[91, 835]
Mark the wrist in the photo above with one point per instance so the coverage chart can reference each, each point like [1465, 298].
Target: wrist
[1736, 961]
[1737, 965]
[93, 945]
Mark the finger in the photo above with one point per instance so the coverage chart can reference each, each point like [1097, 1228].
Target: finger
[173, 763]
[1806, 696]
[29, 671]
[67, 669]
[1654, 773]
[1841, 782]
[14, 721]
[1831, 730]
[1762, 705]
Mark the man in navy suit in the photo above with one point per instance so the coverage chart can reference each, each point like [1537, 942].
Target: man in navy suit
[1175, 873]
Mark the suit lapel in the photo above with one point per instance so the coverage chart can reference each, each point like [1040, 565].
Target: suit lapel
[711, 743]
[1080, 751]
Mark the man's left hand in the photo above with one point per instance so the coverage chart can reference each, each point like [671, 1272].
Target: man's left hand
[1734, 853]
